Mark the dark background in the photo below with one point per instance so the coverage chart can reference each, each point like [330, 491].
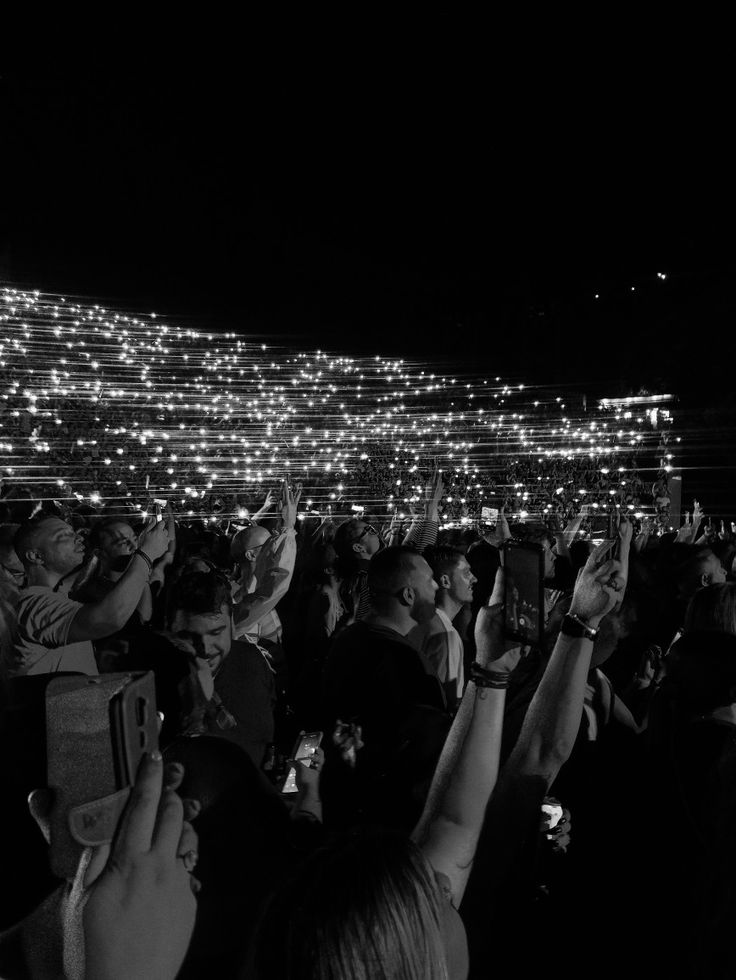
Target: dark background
[414, 200]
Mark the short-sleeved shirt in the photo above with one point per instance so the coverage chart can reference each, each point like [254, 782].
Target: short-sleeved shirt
[44, 618]
[441, 649]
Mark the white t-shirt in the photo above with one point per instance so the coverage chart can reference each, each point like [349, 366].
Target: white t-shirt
[441, 648]
[43, 621]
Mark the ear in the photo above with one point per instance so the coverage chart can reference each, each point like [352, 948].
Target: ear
[40, 802]
[705, 579]
[406, 596]
[358, 548]
[33, 557]
[250, 555]
[444, 581]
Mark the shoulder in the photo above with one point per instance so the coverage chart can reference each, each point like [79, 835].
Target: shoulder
[39, 598]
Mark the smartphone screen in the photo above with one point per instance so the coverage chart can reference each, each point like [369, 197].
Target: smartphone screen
[524, 592]
[302, 750]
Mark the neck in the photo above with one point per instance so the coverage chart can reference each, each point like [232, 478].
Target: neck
[399, 621]
[449, 606]
[39, 575]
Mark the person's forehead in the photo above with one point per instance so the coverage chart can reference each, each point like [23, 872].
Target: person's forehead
[121, 530]
[202, 623]
[55, 528]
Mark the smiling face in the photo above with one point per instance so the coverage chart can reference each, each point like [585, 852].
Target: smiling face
[208, 634]
[117, 544]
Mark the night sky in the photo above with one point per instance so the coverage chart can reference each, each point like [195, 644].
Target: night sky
[422, 208]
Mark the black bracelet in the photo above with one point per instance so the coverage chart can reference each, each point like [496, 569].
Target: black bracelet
[145, 557]
[482, 677]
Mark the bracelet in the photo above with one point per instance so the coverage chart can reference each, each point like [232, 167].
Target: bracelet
[145, 557]
[482, 677]
[576, 627]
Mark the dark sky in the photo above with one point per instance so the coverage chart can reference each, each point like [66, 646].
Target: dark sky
[414, 205]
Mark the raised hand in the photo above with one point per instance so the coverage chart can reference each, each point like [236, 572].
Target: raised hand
[598, 588]
[139, 917]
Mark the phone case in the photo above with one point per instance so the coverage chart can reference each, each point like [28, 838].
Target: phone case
[97, 729]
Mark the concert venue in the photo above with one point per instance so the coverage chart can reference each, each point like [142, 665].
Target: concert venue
[367, 527]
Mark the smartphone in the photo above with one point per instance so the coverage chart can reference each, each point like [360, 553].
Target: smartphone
[160, 505]
[97, 731]
[524, 592]
[302, 750]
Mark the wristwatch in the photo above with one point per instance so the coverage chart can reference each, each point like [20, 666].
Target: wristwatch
[574, 626]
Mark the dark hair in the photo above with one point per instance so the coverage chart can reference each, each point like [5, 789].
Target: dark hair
[688, 570]
[364, 908]
[701, 668]
[346, 533]
[102, 530]
[712, 608]
[199, 594]
[388, 570]
[442, 560]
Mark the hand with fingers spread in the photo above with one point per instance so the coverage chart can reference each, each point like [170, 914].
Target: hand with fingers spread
[599, 587]
[139, 916]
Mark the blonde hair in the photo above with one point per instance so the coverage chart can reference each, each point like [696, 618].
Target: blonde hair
[364, 908]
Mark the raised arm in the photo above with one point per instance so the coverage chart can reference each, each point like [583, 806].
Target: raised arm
[544, 745]
[97, 619]
[467, 770]
[273, 582]
[552, 721]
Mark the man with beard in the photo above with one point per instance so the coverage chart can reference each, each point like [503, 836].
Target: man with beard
[375, 679]
[53, 632]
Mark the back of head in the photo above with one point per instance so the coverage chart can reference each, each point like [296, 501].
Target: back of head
[363, 908]
[533, 533]
[389, 571]
[244, 849]
[712, 608]
[701, 668]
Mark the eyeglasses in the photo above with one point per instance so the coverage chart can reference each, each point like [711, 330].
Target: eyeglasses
[368, 529]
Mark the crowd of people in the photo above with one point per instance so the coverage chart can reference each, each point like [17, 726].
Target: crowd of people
[293, 745]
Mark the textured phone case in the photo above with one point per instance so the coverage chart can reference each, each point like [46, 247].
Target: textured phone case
[89, 793]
